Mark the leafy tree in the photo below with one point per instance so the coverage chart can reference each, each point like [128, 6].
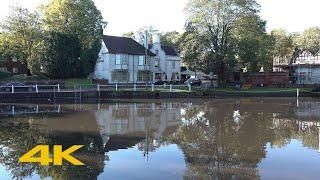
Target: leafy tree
[254, 44]
[79, 18]
[216, 20]
[128, 34]
[171, 39]
[21, 35]
[283, 43]
[310, 40]
[60, 56]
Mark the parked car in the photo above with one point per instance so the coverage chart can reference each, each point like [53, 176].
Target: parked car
[193, 81]
[17, 87]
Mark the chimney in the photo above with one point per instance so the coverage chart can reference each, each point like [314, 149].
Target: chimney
[156, 39]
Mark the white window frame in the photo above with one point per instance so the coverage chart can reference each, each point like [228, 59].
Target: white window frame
[118, 59]
[141, 59]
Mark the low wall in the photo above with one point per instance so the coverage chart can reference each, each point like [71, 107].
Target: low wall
[273, 79]
[108, 95]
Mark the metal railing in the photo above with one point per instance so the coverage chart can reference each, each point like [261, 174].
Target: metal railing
[95, 87]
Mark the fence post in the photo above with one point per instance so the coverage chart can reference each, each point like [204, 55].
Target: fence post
[134, 87]
[298, 93]
[12, 89]
[37, 90]
[152, 87]
[189, 87]
[58, 87]
[98, 87]
[75, 92]
[80, 92]
[170, 87]
[116, 87]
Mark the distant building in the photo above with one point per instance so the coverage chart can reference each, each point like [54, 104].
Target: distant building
[123, 60]
[13, 66]
[305, 68]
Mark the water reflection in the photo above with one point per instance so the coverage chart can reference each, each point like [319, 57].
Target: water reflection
[223, 139]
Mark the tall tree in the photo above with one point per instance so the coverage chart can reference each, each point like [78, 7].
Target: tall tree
[59, 57]
[217, 19]
[82, 19]
[21, 35]
[283, 43]
[310, 40]
[171, 39]
[254, 44]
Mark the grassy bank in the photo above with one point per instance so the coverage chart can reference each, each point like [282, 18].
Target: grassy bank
[262, 90]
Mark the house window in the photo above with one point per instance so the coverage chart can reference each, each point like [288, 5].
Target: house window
[15, 70]
[100, 59]
[141, 61]
[156, 64]
[144, 76]
[120, 76]
[173, 65]
[118, 59]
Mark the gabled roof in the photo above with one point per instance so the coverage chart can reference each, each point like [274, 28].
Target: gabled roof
[169, 50]
[124, 45]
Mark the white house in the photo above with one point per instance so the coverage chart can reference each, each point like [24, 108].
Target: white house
[306, 67]
[167, 60]
[123, 60]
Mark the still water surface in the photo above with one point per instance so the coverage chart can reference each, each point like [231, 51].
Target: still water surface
[187, 139]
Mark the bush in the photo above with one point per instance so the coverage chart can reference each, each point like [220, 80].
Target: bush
[316, 89]
[4, 74]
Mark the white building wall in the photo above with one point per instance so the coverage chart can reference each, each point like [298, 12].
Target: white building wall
[308, 75]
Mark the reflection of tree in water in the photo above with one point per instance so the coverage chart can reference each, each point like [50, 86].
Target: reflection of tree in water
[16, 138]
[220, 143]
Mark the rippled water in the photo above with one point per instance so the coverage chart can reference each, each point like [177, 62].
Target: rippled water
[186, 139]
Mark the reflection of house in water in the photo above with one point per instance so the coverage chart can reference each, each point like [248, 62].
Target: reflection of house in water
[128, 124]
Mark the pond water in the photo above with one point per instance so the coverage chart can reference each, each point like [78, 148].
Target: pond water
[187, 139]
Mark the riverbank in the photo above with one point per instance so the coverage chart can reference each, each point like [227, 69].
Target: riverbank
[92, 94]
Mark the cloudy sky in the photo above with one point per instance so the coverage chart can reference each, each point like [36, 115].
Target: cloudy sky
[167, 15]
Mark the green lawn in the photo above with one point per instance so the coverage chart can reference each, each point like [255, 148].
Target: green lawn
[263, 89]
[85, 83]
[7, 77]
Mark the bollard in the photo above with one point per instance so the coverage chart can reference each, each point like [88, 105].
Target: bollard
[12, 89]
[170, 87]
[116, 87]
[152, 87]
[134, 87]
[37, 91]
[189, 87]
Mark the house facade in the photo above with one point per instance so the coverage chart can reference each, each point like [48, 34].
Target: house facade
[167, 61]
[305, 68]
[123, 60]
